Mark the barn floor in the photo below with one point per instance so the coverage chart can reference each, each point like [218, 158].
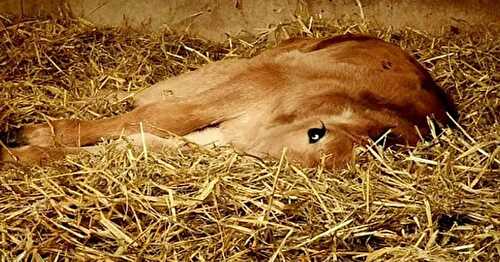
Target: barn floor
[439, 201]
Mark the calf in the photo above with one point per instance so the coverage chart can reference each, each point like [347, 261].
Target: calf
[316, 97]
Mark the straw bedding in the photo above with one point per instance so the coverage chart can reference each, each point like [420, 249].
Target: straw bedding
[438, 201]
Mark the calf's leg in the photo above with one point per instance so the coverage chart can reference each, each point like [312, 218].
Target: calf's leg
[51, 140]
[157, 119]
[40, 155]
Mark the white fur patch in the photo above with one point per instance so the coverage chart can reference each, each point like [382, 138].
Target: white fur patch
[346, 117]
[207, 136]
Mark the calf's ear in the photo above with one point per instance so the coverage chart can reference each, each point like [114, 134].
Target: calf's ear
[310, 45]
[326, 42]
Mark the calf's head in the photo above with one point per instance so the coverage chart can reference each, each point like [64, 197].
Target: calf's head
[343, 91]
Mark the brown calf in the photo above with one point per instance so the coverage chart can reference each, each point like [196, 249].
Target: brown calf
[316, 97]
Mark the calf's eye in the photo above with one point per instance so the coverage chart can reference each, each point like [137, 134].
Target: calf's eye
[315, 134]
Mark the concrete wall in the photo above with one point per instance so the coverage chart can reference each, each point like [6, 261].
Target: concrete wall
[213, 18]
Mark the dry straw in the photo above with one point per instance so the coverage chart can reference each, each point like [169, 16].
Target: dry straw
[436, 202]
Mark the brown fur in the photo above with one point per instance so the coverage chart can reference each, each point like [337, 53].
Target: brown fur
[357, 86]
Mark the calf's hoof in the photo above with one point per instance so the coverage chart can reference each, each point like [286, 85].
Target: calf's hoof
[13, 138]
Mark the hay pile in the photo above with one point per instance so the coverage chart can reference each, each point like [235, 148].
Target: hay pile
[439, 201]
